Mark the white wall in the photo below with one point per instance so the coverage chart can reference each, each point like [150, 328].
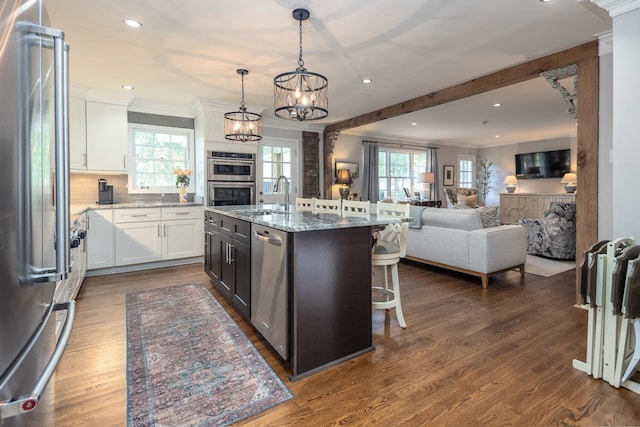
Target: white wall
[626, 125]
[605, 145]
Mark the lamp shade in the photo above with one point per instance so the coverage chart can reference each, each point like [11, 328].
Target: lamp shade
[511, 180]
[343, 177]
[569, 178]
[426, 177]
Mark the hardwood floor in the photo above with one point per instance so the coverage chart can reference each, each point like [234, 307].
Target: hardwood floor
[469, 356]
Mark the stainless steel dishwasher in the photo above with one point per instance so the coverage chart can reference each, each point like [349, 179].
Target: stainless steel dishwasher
[269, 286]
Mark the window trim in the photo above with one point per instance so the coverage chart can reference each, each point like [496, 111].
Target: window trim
[472, 159]
[131, 186]
[411, 153]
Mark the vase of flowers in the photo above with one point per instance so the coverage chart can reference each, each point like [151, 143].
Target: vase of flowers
[182, 182]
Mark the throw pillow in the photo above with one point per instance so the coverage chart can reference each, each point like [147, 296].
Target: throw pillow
[470, 201]
[489, 216]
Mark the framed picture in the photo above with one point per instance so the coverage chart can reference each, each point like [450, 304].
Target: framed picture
[448, 175]
[354, 168]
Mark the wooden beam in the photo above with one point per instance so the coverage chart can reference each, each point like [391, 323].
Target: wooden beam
[587, 158]
[496, 80]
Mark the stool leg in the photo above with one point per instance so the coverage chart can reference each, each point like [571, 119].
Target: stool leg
[396, 295]
[386, 283]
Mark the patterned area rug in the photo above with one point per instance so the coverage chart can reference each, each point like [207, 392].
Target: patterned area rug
[188, 363]
[546, 267]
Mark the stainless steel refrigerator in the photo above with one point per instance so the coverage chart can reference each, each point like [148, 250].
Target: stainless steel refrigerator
[34, 209]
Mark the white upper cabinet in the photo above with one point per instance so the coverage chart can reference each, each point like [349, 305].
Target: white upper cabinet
[106, 137]
[77, 134]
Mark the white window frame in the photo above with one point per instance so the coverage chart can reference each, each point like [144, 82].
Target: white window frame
[463, 183]
[413, 169]
[133, 189]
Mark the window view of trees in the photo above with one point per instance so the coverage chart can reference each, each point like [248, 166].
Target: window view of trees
[155, 156]
[398, 170]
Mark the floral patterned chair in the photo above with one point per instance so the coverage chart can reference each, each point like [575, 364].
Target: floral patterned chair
[451, 194]
[553, 236]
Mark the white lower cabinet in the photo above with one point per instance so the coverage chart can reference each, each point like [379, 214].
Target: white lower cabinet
[138, 242]
[100, 239]
[157, 234]
[182, 238]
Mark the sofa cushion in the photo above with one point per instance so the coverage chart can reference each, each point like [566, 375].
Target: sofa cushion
[489, 216]
[462, 219]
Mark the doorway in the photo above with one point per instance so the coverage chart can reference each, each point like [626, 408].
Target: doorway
[276, 157]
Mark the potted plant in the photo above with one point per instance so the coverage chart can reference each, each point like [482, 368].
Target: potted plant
[483, 179]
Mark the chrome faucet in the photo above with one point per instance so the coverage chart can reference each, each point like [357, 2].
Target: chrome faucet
[286, 190]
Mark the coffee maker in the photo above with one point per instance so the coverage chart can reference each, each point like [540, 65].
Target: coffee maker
[105, 192]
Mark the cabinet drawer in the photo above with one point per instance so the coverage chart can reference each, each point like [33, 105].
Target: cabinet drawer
[136, 215]
[211, 219]
[236, 228]
[194, 212]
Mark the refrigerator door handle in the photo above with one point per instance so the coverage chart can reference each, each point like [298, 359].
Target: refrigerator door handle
[61, 90]
[27, 403]
[61, 64]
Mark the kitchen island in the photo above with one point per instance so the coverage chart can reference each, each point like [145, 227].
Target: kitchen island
[326, 271]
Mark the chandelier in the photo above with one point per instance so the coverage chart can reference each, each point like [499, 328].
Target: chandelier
[241, 125]
[301, 94]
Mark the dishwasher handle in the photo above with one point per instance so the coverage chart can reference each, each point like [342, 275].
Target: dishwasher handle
[276, 241]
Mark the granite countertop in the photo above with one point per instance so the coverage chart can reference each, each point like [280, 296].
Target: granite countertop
[79, 209]
[294, 221]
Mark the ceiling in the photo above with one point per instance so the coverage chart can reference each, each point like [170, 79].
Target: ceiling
[189, 49]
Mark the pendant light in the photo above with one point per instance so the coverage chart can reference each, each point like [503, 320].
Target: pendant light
[241, 125]
[301, 94]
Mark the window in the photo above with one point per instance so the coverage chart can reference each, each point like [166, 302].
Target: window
[154, 152]
[398, 169]
[466, 168]
[276, 161]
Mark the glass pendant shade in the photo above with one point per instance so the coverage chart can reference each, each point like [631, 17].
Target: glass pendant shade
[242, 125]
[301, 94]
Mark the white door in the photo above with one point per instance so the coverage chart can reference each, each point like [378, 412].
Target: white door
[276, 157]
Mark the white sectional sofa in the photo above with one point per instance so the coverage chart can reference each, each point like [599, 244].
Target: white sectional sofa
[456, 239]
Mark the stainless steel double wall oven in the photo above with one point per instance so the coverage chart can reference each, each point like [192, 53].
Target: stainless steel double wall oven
[231, 178]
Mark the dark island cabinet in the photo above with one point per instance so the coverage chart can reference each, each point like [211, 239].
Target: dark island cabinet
[228, 260]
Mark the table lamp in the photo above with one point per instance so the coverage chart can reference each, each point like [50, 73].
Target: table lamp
[511, 181]
[425, 178]
[343, 177]
[569, 180]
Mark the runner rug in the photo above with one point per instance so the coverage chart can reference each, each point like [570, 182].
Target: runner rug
[188, 363]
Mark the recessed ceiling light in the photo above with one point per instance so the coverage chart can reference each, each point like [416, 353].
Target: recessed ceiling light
[414, 124]
[133, 23]
[497, 136]
[127, 87]
[367, 81]
[497, 104]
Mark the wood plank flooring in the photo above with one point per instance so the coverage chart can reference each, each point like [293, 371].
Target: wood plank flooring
[469, 356]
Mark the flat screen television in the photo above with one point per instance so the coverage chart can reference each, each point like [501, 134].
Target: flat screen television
[543, 164]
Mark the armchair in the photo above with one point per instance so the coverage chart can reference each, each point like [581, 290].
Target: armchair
[553, 236]
[451, 194]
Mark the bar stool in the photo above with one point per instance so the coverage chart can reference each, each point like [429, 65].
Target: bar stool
[305, 204]
[391, 245]
[355, 207]
[328, 206]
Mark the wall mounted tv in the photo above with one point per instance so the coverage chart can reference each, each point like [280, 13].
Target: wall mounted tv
[544, 164]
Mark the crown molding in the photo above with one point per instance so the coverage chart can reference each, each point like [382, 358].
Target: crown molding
[617, 7]
[605, 43]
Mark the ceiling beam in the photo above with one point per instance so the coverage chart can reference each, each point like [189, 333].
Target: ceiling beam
[505, 77]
